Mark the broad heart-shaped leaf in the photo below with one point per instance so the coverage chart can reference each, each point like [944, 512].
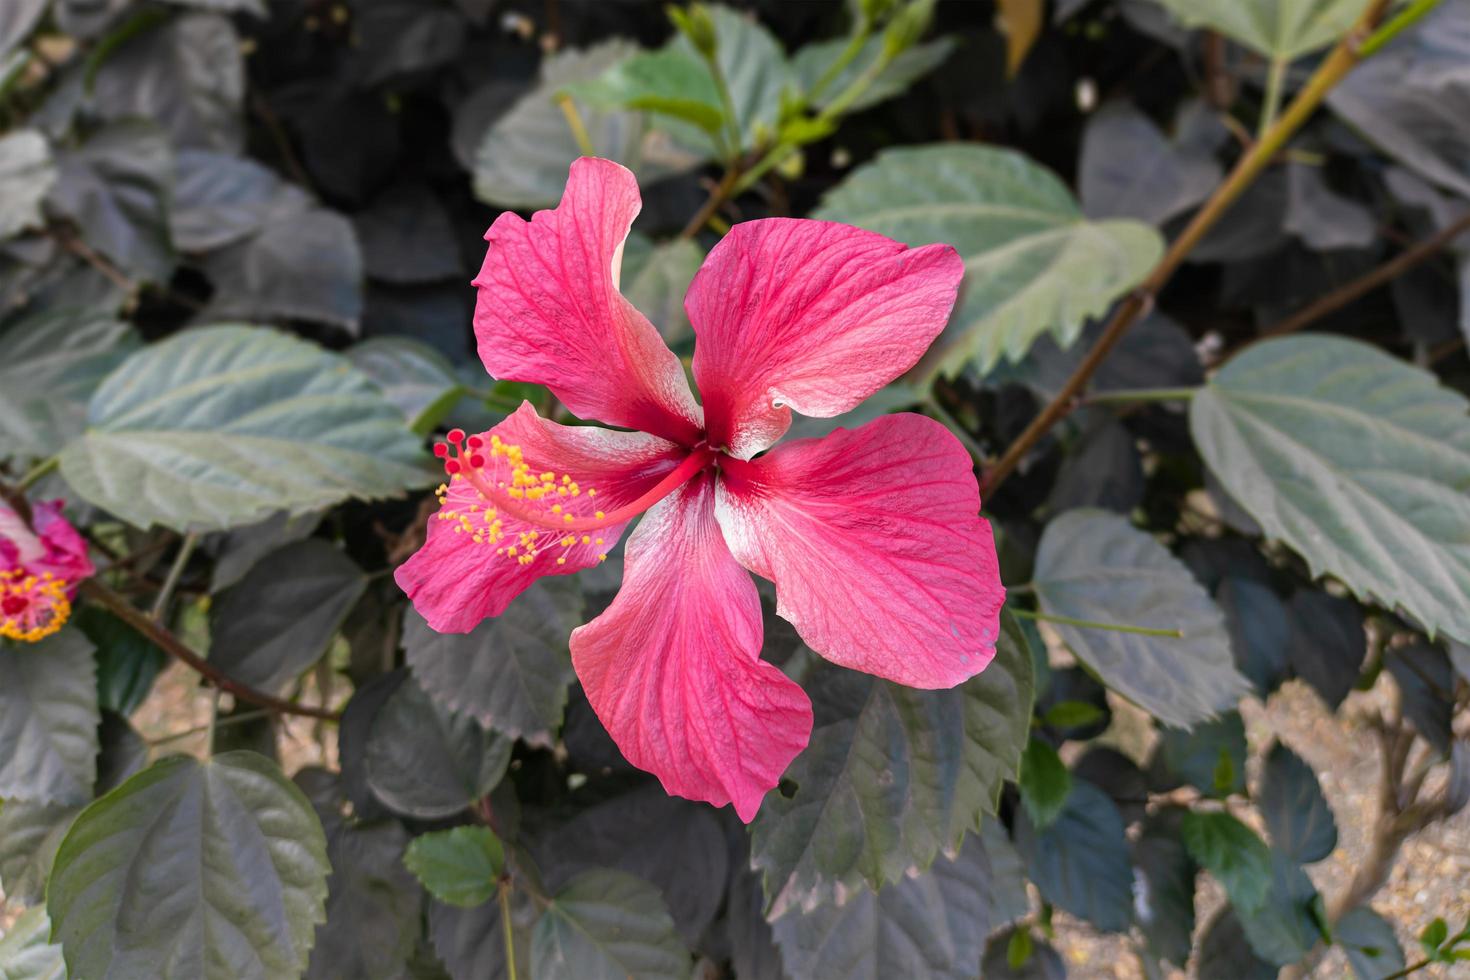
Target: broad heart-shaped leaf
[127, 661]
[607, 925]
[1328, 643]
[54, 360]
[278, 620]
[891, 776]
[1033, 263]
[27, 171]
[26, 952]
[523, 158]
[1130, 169]
[1297, 815]
[670, 81]
[655, 279]
[1225, 954]
[1288, 923]
[48, 719]
[1080, 863]
[1232, 852]
[813, 60]
[1355, 459]
[374, 905]
[30, 833]
[1369, 941]
[930, 926]
[1210, 757]
[209, 870]
[1164, 887]
[414, 376]
[511, 672]
[222, 426]
[459, 866]
[1277, 29]
[1095, 565]
[423, 761]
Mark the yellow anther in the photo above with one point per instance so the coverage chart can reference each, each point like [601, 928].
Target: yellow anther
[600, 515]
[561, 561]
[568, 518]
[511, 551]
[556, 508]
[602, 557]
[587, 539]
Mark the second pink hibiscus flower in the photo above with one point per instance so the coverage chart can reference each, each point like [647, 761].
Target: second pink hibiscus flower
[872, 536]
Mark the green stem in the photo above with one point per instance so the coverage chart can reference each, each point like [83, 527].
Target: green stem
[37, 472]
[837, 67]
[1093, 625]
[1141, 395]
[732, 117]
[1271, 107]
[1408, 970]
[1405, 19]
[508, 930]
[175, 572]
[940, 415]
[210, 726]
[855, 89]
[575, 124]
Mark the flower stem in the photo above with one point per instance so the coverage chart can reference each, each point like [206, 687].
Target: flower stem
[840, 63]
[1094, 625]
[1141, 395]
[1275, 78]
[1405, 19]
[175, 572]
[37, 472]
[576, 125]
[508, 930]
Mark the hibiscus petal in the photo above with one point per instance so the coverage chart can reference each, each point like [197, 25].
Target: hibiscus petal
[455, 582]
[874, 540]
[812, 316]
[549, 310]
[673, 666]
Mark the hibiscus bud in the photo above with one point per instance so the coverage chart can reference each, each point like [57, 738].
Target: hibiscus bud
[907, 27]
[874, 11]
[695, 23]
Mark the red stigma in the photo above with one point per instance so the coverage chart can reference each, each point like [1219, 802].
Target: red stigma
[477, 461]
[451, 466]
[441, 450]
[474, 442]
[456, 436]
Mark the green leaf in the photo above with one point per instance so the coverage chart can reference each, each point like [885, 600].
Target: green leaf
[1019, 949]
[1434, 936]
[1032, 262]
[223, 426]
[1282, 29]
[1232, 852]
[1072, 714]
[26, 952]
[127, 661]
[459, 866]
[424, 762]
[1094, 565]
[930, 926]
[27, 171]
[279, 619]
[1297, 815]
[1042, 961]
[510, 673]
[522, 159]
[374, 906]
[668, 81]
[812, 61]
[1369, 941]
[755, 69]
[655, 279]
[1225, 954]
[607, 925]
[241, 548]
[1080, 863]
[30, 833]
[1285, 927]
[1355, 459]
[217, 869]
[1203, 756]
[1164, 886]
[414, 377]
[892, 776]
[48, 719]
[1044, 783]
[53, 362]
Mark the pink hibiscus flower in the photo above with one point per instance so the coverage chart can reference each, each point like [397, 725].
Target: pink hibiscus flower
[872, 536]
[40, 570]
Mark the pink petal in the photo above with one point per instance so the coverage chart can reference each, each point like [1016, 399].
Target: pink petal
[55, 546]
[549, 310]
[810, 316]
[673, 666]
[455, 582]
[874, 540]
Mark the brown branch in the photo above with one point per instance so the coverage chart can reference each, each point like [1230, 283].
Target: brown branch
[718, 196]
[86, 253]
[1371, 280]
[1332, 70]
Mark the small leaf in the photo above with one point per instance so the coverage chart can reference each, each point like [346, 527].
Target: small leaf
[1434, 936]
[1080, 863]
[1032, 262]
[27, 171]
[1096, 566]
[460, 866]
[1369, 941]
[218, 868]
[896, 78]
[1296, 813]
[1019, 949]
[1288, 923]
[1043, 963]
[1072, 714]
[1163, 897]
[607, 925]
[1044, 782]
[127, 661]
[1328, 643]
[1282, 29]
[223, 426]
[1225, 954]
[1130, 169]
[1284, 425]
[1232, 852]
[26, 952]
[48, 719]
[1426, 683]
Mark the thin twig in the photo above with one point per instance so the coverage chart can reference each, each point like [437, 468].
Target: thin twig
[175, 572]
[717, 197]
[85, 252]
[1333, 69]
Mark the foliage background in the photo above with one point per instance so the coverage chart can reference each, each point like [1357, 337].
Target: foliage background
[325, 170]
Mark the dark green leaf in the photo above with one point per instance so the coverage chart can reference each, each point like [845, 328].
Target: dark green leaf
[607, 925]
[471, 942]
[127, 661]
[407, 236]
[461, 866]
[27, 171]
[891, 776]
[404, 37]
[1232, 852]
[1202, 756]
[424, 762]
[216, 868]
[511, 672]
[48, 719]
[1164, 890]
[1224, 953]
[1080, 863]
[241, 548]
[1284, 427]
[220, 198]
[670, 81]
[1426, 690]
[1321, 218]
[1130, 169]
[932, 926]
[1287, 925]
[414, 376]
[122, 754]
[26, 952]
[1118, 776]
[1369, 941]
[1044, 782]
[1297, 815]
[1072, 714]
[1328, 643]
[655, 279]
[1042, 963]
[1260, 631]
[1096, 566]
[1103, 469]
[30, 833]
[374, 905]
[223, 426]
[1032, 262]
[278, 620]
